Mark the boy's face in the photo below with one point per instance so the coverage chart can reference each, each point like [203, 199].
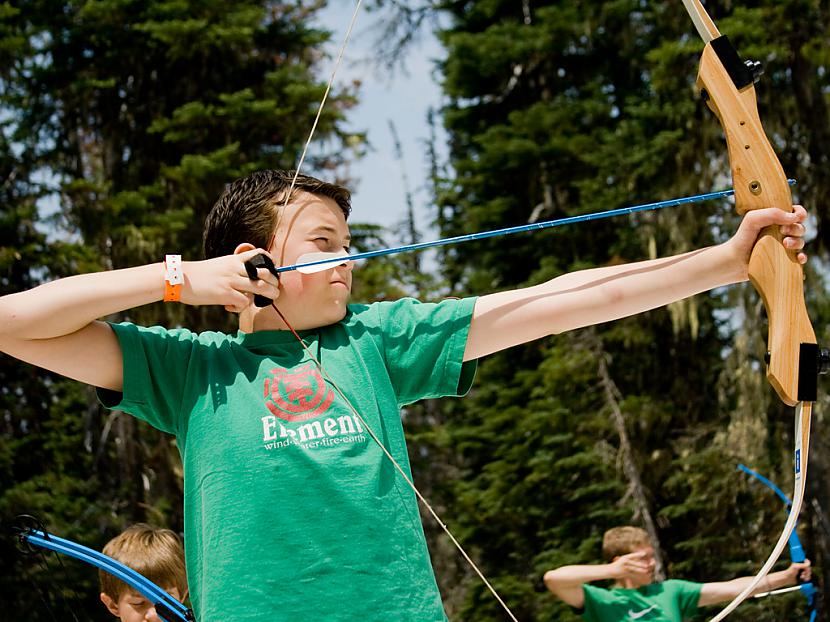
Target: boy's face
[133, 607]
[312, 224]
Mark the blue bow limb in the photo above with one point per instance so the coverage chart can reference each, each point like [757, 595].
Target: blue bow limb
[167, 607]
[807, 589]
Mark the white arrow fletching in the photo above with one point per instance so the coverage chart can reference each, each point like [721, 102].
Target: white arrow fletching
[327, 261]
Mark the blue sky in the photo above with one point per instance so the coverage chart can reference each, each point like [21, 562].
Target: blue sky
[402, 97]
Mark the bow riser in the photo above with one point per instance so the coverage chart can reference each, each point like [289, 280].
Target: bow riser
[780, 283]
[760, 182]
[751, 155]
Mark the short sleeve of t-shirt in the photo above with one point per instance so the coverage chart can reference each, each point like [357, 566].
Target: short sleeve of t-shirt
[155, 362]
[423, 345]
[688, 595]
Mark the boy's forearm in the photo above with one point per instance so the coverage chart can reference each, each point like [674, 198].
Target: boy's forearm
[64, 306]
[577, 575]
[721, 592]
[594, 296]
[774, 581]
[633, 288]
[567, 582]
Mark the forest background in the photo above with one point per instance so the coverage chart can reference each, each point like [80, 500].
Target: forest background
[122, 119]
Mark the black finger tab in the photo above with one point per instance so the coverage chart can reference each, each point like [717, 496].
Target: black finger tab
[251, 270]
[260, 261]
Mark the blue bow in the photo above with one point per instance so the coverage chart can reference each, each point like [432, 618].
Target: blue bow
[796, 550]
[168, 608]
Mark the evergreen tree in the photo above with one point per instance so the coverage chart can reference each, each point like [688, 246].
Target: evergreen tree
[123, 119]
[557, 109]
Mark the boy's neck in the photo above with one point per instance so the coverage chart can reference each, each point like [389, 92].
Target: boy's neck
[251, 321]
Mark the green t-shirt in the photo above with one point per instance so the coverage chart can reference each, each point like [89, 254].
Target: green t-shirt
[667, 601]
[292, 512]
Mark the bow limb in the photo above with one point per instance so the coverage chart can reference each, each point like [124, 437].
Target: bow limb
[167, 608]
[727, 85]
[797, 555]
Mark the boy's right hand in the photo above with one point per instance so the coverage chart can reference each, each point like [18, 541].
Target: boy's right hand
[224, 281]
[626, 566]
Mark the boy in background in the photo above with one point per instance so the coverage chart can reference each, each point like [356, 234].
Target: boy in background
[155, 553]
[635, 595]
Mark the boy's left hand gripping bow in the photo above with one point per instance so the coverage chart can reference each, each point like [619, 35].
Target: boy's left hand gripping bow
[793, 357]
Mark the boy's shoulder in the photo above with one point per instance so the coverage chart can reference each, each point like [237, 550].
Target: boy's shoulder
[409, 314]
[407, 303]
[177, 332]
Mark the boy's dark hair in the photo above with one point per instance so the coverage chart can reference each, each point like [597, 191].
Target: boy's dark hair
[622, 541]
[248, 208]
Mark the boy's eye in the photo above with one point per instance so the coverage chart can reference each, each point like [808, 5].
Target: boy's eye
[330, 244]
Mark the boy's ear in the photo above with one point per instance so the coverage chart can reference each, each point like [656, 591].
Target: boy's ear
[241, 248]
[110, 604]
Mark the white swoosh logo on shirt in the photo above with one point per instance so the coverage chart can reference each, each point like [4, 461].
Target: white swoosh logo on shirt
[636, 615]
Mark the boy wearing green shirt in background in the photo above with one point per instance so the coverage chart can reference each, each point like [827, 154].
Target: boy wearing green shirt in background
[293, 510]
[635, 596]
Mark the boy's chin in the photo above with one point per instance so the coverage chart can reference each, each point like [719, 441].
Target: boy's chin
[332, 314]
[341, 311]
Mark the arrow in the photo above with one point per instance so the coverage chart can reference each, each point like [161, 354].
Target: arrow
[310, 263]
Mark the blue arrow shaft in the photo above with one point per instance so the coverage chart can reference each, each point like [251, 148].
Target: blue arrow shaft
[698, 198]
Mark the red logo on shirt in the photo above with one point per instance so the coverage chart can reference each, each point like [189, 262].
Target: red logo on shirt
[297, 395]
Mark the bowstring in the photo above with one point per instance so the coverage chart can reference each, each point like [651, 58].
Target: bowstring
[323, 101]
[46, 595]
[325, 374]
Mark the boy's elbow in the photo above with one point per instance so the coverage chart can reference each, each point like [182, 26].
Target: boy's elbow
[551, 580]
[12, 328]
[7, 319]
[564, 587]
